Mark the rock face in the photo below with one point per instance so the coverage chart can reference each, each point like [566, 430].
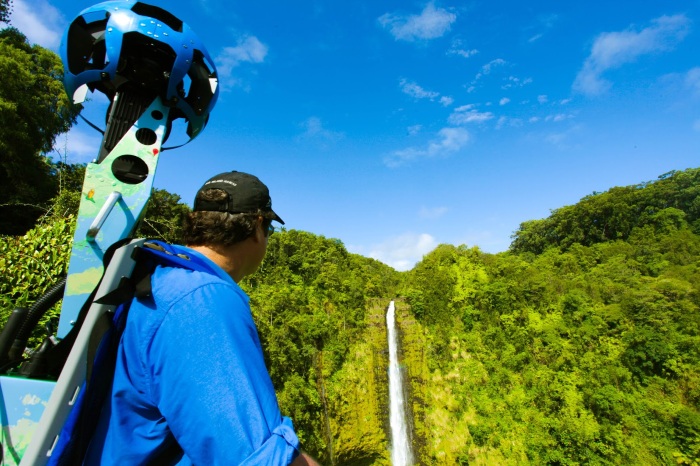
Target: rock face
[359, 410]
[412, 344]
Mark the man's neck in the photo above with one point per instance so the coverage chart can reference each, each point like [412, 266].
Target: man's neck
[225, 257]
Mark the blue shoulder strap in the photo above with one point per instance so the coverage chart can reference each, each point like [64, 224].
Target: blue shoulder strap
[173, 256]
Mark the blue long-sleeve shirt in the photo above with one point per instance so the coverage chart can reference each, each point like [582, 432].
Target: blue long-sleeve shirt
[190, 385]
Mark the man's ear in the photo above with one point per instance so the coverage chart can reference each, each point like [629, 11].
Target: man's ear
[259, 233]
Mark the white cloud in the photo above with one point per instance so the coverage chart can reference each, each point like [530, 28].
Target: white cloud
[458, 49]
[249, 49]
[559, 117]
[415, 129]
[30, 400]
[507, 121]
[486, 69]
[463, 53]
[468, 114]
[79, 145]
[692, 80]
[504, 101]
[40, 21]
[542, 99]
[417, 92]
[446, 101]
[414, 90]
[432, 213]
[430, 24]
[512, 81]
[512, 122]
[449, 140]
[404, 251]
[546, 22]
[613, 49]
[314, 129]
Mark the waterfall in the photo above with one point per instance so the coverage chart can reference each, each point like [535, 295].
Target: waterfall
[400, 445]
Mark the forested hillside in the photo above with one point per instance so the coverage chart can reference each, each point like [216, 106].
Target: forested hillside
[34, 110]
[671, 201]
[579, 345]
[319, 311]
[312, 301]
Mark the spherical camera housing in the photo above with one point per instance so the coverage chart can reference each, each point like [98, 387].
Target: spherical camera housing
[126, 45]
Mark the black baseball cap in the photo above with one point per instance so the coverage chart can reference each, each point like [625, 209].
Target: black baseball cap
[245, 194]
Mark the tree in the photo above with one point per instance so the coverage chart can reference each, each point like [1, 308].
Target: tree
[615, 214]
[580, 345]
[34, 110]
[163, 217]
[69, 178]
[5, 10]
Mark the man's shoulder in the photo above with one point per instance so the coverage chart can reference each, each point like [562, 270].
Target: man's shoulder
[183, 268]
[177, 282]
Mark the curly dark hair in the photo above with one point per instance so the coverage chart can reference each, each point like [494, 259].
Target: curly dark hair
[203, 228]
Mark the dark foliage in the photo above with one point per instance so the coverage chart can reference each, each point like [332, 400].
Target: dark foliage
[34, 109]
[668, 202]
[579, 346]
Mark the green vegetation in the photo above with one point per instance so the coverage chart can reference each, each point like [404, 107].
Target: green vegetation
[320, 315]
[670, 202]
[313, 302]
[34, 110]
[580, 345]
[554, 352]
[31, 264]
[5, 10]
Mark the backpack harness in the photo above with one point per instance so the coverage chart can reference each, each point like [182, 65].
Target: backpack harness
[74, 439]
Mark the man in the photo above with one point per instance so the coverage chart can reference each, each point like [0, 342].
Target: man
[191, 386]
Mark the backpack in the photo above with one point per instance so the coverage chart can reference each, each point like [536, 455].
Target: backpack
[75, 434]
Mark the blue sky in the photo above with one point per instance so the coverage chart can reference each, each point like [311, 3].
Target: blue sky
[396, 126]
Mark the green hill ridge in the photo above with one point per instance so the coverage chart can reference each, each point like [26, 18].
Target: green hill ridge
[579, 345]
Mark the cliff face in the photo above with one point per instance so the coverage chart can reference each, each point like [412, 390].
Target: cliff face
[360, 406]
[413, 360]
[439, 422]
[359, 393]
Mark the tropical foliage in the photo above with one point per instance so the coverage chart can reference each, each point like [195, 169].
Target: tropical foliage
[310, 302]
[5, 10]
[567, 353]
[615, 214]
[34, 109]
[31, 264]
[581, 345]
